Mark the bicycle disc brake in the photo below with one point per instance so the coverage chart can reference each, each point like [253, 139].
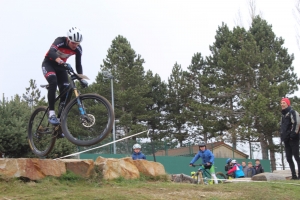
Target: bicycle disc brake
[87, 120]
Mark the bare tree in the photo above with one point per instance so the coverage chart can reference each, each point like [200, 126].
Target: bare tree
[251, 4]
[253, 11]
[238, 20]
[296, 13]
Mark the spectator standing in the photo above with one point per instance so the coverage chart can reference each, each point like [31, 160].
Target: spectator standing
[251, 171]
[289, 135]
[258, 168]
[245, 168]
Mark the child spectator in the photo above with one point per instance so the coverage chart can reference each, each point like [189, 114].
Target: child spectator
[236, 169]
[137, 154]
[258, 168]
[251, 171]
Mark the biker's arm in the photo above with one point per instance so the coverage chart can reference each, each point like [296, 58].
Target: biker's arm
[78, 60]
[231, 170]
[197, 156]
[212, 158]
[53, 49]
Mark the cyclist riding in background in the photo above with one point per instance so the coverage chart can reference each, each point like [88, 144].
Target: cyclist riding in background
[207, 159]
[236, 169]
[56, 75]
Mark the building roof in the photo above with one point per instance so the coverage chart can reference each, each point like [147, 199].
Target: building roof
[186, 150]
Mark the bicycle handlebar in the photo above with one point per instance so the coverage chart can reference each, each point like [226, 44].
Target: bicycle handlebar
[198, 165]
[70, 70]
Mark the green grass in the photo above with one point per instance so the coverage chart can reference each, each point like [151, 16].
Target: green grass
[70, 186]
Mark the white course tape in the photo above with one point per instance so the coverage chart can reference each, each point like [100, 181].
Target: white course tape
[249, 181]
[74, 154]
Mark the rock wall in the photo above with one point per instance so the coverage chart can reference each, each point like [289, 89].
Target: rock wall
[110, 168]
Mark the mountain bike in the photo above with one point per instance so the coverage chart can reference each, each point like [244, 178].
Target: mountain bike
[84, 120]
[204, 177]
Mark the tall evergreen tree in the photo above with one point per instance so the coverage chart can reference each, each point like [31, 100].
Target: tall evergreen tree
[274, 78]
[229, 74]
[179, 117]
[130, 87]
[156, 109]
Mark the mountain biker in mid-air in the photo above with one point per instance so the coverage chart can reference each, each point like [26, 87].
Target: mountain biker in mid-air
[56, 75]
[207, 159]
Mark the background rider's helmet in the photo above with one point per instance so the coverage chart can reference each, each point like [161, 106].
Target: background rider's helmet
[74, 34]
[228, 161]
[202, 144]
[137, 146]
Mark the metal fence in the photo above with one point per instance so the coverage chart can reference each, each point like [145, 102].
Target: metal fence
[125, 147]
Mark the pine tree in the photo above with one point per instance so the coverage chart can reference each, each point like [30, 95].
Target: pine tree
[179, 117]
[13, 127]
[230, 75]
[130, 86]
[274, 78]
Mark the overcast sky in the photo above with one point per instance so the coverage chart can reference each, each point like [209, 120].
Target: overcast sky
[161, 31]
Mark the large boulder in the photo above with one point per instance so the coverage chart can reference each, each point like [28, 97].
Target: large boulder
[268, 177]
[112, 168]
[83, 168]
[150, 168]
[31, 168]
[286, 173]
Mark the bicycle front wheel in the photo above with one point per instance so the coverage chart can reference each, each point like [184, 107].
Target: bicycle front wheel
[221, 177]
[200, 178]
[40, 132]
[89, 125]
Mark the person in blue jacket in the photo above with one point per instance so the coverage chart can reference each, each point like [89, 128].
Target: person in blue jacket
[207, 159]
[236, 169]
[137, 154]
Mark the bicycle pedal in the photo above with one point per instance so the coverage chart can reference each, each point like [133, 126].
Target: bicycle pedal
[61, 135]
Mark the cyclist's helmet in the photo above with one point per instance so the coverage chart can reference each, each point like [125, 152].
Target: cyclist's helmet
[202, 144]
[233, 161]
[228, 161]
[74, 34]
[137, 146]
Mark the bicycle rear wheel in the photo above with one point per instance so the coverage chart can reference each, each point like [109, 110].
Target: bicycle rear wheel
[91, 127]
[221, 177]
[40, 133]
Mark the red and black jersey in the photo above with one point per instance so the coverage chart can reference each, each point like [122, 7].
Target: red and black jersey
[60, 49]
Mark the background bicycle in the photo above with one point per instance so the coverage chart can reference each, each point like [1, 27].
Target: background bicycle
[85, 120]
[204, 177]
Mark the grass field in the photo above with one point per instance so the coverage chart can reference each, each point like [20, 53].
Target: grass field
[71, 186]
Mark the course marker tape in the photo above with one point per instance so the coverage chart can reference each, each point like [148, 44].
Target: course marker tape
[74, 154]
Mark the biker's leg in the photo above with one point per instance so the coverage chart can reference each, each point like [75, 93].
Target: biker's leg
[62, 81]
[213, 174]
[50, 75]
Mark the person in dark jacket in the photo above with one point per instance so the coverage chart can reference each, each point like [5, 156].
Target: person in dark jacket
[137, 154]
[289, 136]
[258, 168]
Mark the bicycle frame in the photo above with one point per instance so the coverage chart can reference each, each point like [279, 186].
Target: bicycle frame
[205, 174]
[66, 92]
